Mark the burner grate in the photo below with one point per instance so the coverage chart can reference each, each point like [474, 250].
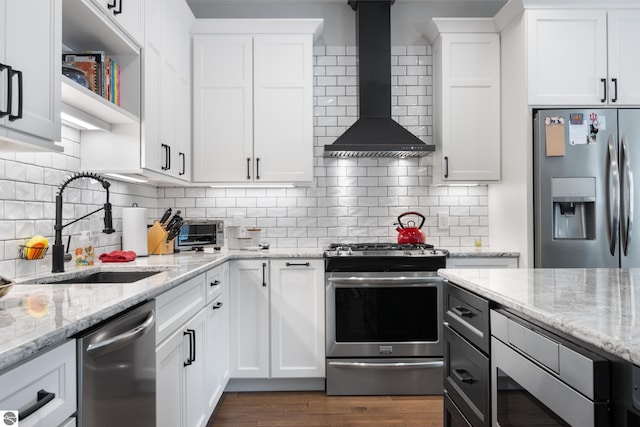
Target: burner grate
[379, 246]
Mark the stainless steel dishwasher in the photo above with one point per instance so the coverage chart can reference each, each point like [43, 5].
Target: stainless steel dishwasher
[117, 371]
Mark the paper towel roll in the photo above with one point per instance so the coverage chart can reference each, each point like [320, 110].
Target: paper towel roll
[134, 230]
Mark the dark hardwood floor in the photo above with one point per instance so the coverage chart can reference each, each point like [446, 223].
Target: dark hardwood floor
[316, 409]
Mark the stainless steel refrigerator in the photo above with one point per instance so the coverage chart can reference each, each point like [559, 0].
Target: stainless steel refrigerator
[586, 167]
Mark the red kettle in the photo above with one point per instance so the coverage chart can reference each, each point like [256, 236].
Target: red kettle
[410, 233]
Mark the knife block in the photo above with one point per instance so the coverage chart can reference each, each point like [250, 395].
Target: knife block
[157, 240]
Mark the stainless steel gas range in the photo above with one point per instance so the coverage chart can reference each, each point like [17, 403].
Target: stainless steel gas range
[384, 319]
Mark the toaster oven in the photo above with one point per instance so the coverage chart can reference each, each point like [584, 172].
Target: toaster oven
[198, 234]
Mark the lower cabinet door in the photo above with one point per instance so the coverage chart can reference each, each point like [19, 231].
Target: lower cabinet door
[217, 351]
[452, 415]
[180, 383]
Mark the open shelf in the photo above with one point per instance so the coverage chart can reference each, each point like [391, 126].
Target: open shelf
[91, 103]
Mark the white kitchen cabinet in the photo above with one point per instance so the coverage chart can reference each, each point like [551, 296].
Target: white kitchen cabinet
[249, 318]
[482, 262]
[49, 375]
[277, 318]
[181, 355]
[253, 101]
[156, 148]
[598, 64]
[466, 75]
[297, 318]
[217, 334]
[128, 14]
[180, 379]
[30, 65]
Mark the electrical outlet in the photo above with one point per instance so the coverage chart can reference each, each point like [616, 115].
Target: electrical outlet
[443, 220]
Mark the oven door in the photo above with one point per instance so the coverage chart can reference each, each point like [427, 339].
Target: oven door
[526, 395]
[384, 315]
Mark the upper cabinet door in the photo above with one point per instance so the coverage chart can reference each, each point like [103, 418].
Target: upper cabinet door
[283, 108]
[624, 57]
[567, 57]
[32, 43]
[223, 108]
[128, 14]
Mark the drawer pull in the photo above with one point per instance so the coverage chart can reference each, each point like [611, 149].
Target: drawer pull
[215, 283]
[217, 305]
[462, 312]
[463, 376]
[44, 397]
[297, 264]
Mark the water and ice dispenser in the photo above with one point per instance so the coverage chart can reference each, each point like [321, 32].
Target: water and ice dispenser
[574, 202]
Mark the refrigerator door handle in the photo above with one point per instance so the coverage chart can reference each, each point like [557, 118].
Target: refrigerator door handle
[612, 200]
[627, 220]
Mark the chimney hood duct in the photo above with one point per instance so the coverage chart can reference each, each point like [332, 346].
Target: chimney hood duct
[375, 133]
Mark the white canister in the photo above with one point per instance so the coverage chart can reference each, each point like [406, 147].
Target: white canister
[255, 234]
[134, 230]
[233, 232]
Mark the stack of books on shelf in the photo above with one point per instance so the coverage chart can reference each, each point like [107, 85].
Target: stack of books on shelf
[101, 71]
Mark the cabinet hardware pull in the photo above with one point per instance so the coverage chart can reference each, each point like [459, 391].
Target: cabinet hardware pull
[44, 397]
[118, 10]
[19, 115]
[297, 264]
[217, 305]
[215, 283]
[615, 90]
[9, 89]
[167, 157]
[604, 85]
[264, 275]
[463, 376]
[462, 312]
[192, 346]
[257, 167]
[183, 163]
[446, 166]
[248, 167]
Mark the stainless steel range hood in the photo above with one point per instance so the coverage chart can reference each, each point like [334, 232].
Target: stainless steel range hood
[375, 133]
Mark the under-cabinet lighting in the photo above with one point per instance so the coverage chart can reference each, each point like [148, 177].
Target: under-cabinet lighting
[78, 119]
[252, 186]
[126, 178]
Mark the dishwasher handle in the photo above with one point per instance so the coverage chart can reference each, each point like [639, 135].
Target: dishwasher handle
[112, 344]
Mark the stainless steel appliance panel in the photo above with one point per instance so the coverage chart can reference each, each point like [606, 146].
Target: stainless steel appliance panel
[406, 376]
[597, 162]
[584, 200]
[527, 392]
[383, 315]
[117, 372]
[629, 133]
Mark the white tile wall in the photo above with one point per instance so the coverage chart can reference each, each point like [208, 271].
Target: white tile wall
[28, 186]
[352, 199]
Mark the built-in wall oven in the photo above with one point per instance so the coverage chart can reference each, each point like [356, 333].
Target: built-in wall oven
[384, 319]
[540, 379]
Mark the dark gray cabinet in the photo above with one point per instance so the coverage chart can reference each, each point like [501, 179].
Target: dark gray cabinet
[467, 382]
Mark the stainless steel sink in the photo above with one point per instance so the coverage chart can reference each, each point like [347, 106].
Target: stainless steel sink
[111, 277]
[116, 276]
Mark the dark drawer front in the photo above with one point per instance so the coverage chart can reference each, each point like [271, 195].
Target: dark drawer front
[466, 378]
[468, 314]
[452, 415]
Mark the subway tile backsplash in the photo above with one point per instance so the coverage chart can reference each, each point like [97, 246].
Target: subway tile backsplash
[356, 199]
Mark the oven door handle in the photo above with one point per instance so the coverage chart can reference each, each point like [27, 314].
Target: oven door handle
[388, 365]
[383, 280]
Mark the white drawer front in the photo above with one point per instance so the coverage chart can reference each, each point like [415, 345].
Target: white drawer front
[178, 305]
[53, 372]
[216, 279]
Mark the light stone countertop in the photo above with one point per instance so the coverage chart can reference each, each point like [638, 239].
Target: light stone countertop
[484, 253]
[71, 308]
[597, 306]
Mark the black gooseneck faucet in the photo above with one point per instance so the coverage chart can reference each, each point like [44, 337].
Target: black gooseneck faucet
[58, 246]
